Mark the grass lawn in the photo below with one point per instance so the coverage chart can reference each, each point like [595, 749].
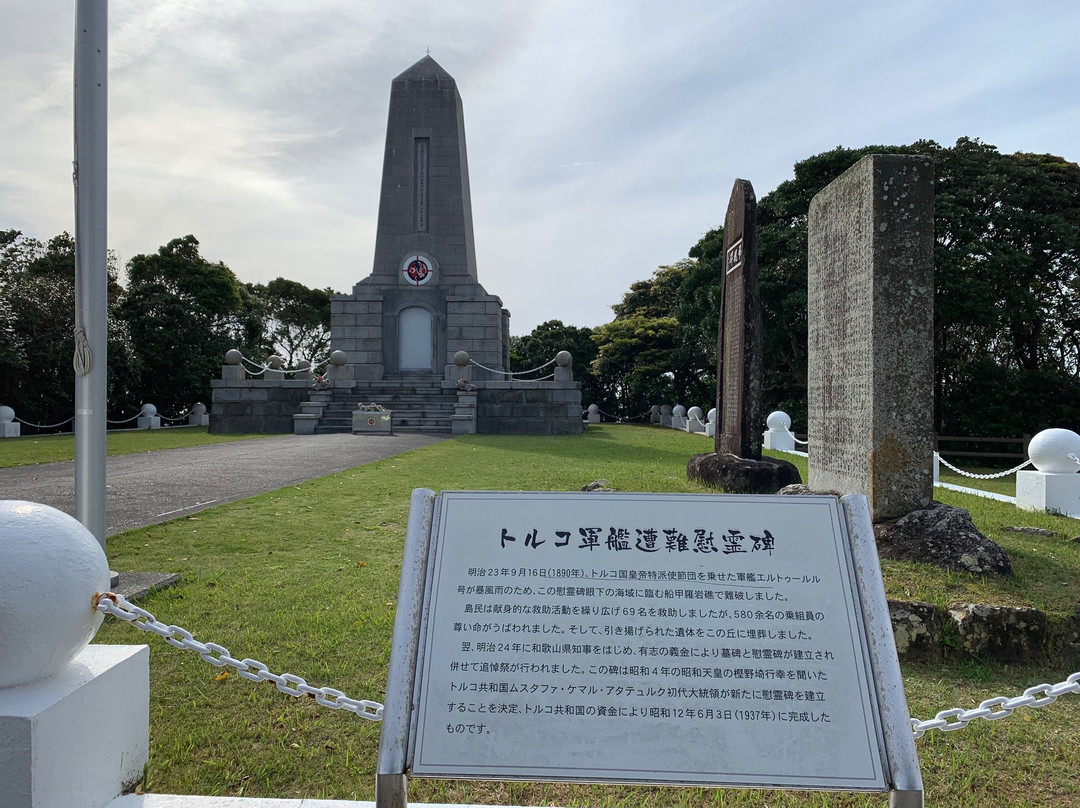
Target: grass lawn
[32, 449]
[304, 579]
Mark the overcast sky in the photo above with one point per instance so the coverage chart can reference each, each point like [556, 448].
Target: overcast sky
[603, 135]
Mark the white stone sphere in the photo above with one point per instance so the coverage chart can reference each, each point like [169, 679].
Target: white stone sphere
[778, 421]
[594, 409]
[1050, 449]
[50, 569]
[563, 359]
[665, 409]
[694, 413]
[654, 409]
[233, 357]
[303, 364]
[338, 358]
[711, 416]
[275, 362]
[7, 415]
[679, 411]
[461, 359]
[198, 409]
[148, 411]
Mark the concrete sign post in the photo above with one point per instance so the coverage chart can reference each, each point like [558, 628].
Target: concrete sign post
[645, 638]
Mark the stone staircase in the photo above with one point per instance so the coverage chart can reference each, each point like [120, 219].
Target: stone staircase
[419, 404]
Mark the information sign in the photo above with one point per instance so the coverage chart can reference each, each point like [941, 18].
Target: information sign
[645, 638]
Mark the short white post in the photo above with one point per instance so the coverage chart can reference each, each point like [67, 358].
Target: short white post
[594, 414]
[778, 436]
[665, 415]
[937, 468]
[654, 414]
[198, 415]
[1054, 486]
[148, 418]
[710, 423]
[74, 719]
[695, 420]
[9, 427]
[678, 417]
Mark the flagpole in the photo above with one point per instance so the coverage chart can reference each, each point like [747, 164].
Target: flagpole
[91, 278]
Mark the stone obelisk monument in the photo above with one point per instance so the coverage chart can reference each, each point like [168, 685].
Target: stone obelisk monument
[422, 302]
[739, 349]
[737, 466]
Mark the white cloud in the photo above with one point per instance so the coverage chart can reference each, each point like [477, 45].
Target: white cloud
[603, 136]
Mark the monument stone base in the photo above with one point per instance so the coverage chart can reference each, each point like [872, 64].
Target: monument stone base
[737, 475]
[1048, 492]
[78, 738]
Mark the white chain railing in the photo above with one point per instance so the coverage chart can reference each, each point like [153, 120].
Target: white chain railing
[799, 442]
[963, 473]
[1006, 706]
[296, 686]
[515, 374]
[44, 426]
[219, 657]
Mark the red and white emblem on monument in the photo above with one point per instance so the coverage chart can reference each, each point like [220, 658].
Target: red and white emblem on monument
[417, 270]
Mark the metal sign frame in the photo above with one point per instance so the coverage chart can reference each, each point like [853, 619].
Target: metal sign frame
[888, 721]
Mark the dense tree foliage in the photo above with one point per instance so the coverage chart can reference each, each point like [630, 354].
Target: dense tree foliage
[295, 319]
[168, 329]
[1007, 276]
[37, 321]
[546, 340]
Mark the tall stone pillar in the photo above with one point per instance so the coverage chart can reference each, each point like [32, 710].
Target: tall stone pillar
[870, 315]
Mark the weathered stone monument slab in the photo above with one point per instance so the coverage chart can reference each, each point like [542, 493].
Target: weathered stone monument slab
[871, 317]
[739, 350]
[737, 466]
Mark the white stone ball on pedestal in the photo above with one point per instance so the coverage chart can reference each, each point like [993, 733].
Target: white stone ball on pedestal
[563, 358]
[233, 357]
[694, 413]
[778, 421]
[1050, 449]
[711, 417]
[594, 409]
[679, 411]
[7, 415]
[338, 358]
[148, 411]
[50, 569]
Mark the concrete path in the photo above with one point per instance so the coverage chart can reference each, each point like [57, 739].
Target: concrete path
[144, 489]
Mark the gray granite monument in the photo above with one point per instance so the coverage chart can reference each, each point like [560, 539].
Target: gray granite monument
[871, 341]
[419, 336]
[737, 466]
[739, 350]
[422, 302]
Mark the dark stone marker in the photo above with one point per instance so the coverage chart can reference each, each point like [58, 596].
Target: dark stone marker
[737, 466]
[739, 350]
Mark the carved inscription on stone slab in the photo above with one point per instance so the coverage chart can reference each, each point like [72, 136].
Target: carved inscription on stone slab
[739, 349]
[870, 319]
[645, 638]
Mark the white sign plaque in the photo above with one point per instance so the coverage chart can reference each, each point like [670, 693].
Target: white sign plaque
[652, 638]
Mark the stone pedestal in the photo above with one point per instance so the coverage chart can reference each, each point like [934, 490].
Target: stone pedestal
[463, 421]
[10, 430]
[78, 738]
[779, 441]
[1048, 492]
[148, 422]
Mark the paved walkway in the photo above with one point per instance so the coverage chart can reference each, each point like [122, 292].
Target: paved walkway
[151, 487]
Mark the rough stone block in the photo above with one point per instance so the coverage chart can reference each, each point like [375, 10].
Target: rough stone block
[1002, 633]
[870, 318]
[917, 629]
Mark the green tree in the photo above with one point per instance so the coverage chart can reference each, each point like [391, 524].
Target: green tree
[296, 319]
[546, 340]
[37, 320]
[184, 312]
